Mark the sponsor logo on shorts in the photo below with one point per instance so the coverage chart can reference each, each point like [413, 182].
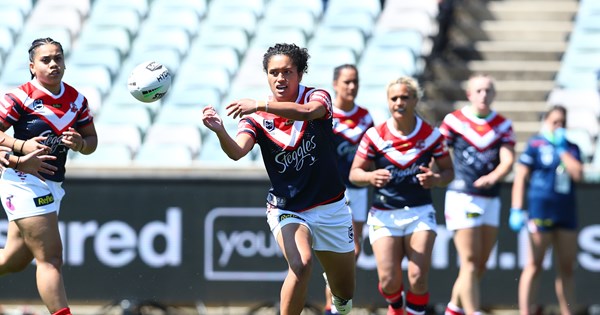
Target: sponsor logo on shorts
[377, 227]
[472, 215]
[546, 223]
[9, 205]
[351, 234]
[43, 200]
[289, 216]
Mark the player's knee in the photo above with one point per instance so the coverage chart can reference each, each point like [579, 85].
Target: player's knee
[471, 264]
[389, 284]
[301, 268]
[566, 270]
[418, 280]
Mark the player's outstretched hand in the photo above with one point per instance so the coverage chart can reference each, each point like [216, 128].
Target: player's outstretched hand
[211, 119]
[241, 107]
[34, 163]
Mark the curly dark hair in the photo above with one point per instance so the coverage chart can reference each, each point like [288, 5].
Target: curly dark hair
[298, 55]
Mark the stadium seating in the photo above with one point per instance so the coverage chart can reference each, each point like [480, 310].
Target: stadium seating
[25, 6]
[328, 37]
[119, 133]
[6, 42]
[12, 19]
[98, 36]
[106, 156]
[178, 17]
[136, 116]
[140, 7]
[191, 96]
[314, 7]
[302, 20]
[583, 139]
[106, 56]
[224, 57]
[199, 7]
[173, 115]
[269, 34]
[163, 155]
[372, 7]
[342, 20]
[213, 49]
[187, 136]
[96, 76]
[124, 17]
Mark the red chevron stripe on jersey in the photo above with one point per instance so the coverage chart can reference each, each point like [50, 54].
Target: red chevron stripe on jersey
[401, 150]
[481, 133]
[59, 112]
[287, 133]
[351, 126]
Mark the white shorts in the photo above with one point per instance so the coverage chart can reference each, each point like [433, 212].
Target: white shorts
[24, 195]
[463, 211]
[358, 201]
[330, 225]
[400, 222]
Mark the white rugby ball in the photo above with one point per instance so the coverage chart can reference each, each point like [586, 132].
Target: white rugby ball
[149, 81]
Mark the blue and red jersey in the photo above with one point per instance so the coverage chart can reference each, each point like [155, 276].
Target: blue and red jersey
[34, 111]
[299, 156]
[476, 142]
[402, 156]
[348, 130]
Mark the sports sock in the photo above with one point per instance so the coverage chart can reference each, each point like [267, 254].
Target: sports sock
[329, 312]
[453, 309]
[416, 304]
[63, 311]
[394, 299]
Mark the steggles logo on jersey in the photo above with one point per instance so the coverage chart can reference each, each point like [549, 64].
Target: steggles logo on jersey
[53, 142]
[295, 159]
[399, 175]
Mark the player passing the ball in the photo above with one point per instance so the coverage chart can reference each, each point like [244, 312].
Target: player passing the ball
[49, 116]
[403, 158]
[306, 207]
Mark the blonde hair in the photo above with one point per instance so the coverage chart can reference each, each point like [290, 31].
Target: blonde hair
[478, 76]
[411, 83]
